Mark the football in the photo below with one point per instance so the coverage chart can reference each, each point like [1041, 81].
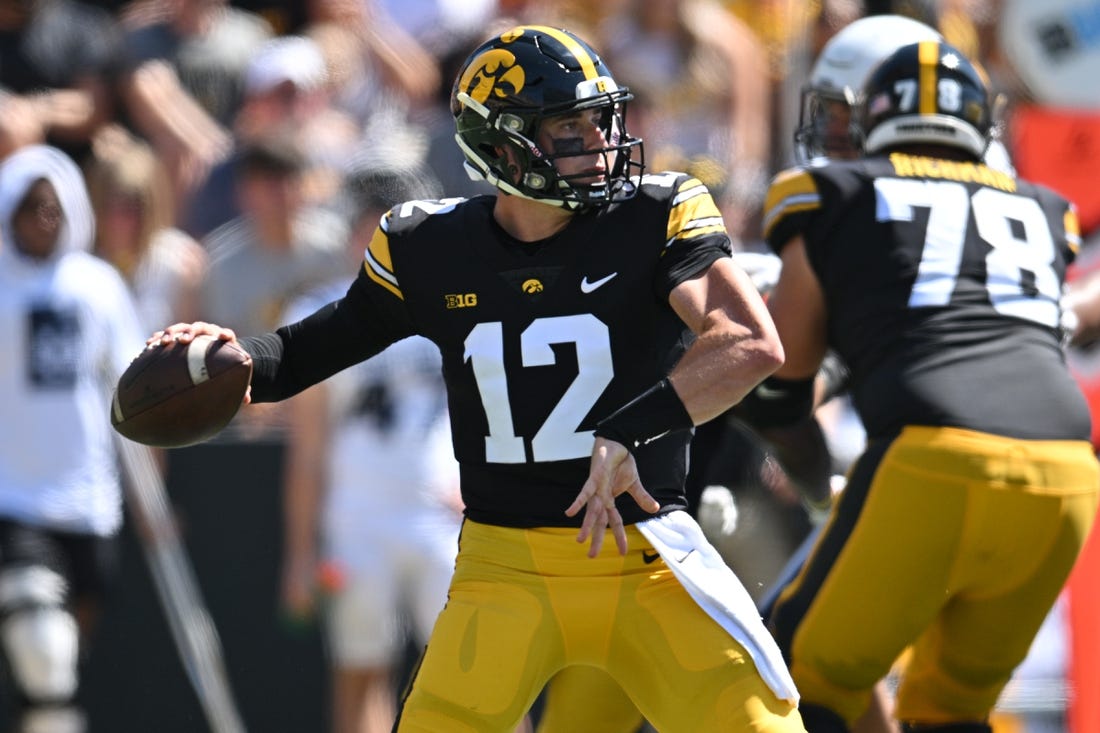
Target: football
[181, 393]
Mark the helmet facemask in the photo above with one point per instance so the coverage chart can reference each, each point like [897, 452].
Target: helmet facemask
[824, 126]
[501, 146]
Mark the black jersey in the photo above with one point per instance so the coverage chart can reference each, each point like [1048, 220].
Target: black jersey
[942, 282]
[540, 340]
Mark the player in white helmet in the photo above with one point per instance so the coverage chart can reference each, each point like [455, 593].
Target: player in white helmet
[836, 77]
[838, 73]
[824, 132]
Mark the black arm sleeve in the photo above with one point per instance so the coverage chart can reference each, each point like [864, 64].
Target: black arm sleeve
[801, 450]
[340, 334]
[776, 402]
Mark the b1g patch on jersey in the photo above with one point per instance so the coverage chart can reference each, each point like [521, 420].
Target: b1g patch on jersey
[460, 300]
[53, 347]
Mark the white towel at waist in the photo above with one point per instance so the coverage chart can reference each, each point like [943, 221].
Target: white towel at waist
[714, 586]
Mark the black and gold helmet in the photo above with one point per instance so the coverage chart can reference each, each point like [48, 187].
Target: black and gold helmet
[837, 77]
[925, 93]
[509, 85]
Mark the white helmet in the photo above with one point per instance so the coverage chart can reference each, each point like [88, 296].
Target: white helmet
[839, 73]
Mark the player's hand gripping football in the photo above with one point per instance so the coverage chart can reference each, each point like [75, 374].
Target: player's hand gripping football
[612, 472]
[186, 332]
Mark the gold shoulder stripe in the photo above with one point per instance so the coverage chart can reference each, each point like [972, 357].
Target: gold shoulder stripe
[378, 263]
[588, 64]
[689, 188]
[692, 208]
[791, 182]
[791, 191]
[1073, 229]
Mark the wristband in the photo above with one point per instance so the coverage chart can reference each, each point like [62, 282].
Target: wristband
[776, 403]
[649, 416]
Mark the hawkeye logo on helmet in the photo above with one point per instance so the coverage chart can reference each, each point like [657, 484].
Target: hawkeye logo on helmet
[493, 74]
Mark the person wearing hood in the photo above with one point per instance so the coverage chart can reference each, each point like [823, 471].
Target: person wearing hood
[71, 329]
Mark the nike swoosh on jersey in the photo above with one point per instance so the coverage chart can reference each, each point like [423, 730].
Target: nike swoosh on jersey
[588, 287]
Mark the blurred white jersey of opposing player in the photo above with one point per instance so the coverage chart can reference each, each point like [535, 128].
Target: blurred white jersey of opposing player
[391, 457]
[390, 517]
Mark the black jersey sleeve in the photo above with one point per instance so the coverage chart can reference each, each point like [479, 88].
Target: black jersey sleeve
[340, 334]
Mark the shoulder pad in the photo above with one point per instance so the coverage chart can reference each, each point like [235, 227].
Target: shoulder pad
[407, 216]
[692, 211]
[400, 222]
[791, 191]
[661, 185]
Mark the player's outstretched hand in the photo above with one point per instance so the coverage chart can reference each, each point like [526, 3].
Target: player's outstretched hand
[613, 472]
[186, 332]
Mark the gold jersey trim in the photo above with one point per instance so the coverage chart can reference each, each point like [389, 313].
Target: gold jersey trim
[791, 192]
[693, 213]
[378, 263]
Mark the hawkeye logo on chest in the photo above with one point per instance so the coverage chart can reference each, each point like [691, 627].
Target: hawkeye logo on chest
[460, 300]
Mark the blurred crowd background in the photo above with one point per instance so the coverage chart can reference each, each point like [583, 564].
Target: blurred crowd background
[232, 148]
[244, 125]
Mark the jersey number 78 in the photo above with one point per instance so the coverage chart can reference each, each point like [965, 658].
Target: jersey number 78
[1020, 277]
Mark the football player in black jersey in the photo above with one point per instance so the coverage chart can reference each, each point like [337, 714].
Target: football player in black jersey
[937, 280]
[588, 317]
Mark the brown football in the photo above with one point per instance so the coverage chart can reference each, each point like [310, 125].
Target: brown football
[180, 394]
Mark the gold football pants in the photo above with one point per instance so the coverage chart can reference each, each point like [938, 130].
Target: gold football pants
[954, 541]
[526, 603]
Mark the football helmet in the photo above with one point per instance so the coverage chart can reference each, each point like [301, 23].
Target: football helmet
[513, 82]
[838, 75]
[925, 93]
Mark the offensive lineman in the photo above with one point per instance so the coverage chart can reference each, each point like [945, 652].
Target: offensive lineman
[937, 279]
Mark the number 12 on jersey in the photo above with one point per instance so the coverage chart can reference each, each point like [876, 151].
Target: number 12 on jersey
[557, 439]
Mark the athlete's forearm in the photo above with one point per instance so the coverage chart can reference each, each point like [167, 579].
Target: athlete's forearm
[735, 348]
